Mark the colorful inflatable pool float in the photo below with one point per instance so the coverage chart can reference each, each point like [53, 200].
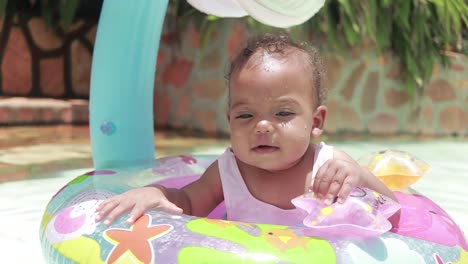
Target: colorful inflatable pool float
[121, 125]
[69, 233]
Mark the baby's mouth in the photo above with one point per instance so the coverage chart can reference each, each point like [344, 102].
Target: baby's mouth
[265, 148]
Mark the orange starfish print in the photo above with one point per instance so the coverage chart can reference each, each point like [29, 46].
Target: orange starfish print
[136, 240]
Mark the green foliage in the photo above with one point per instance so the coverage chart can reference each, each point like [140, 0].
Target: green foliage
[418, 32]
[184, 13]
[63, 11]
[56, 13]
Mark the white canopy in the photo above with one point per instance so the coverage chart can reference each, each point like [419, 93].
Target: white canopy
[277, 13]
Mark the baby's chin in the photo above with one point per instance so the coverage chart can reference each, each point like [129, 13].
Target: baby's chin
[272, 164]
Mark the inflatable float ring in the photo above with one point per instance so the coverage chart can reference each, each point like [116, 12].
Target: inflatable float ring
[69, 232]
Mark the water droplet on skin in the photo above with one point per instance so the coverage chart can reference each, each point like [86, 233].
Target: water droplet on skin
[108, 128]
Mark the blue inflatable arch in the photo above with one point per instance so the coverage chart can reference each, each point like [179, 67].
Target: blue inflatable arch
[122, 80]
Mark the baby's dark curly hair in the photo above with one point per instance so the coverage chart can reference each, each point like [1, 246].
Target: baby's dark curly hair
[282, 45]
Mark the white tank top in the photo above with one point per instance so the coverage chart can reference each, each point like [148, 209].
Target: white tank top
[242, 206]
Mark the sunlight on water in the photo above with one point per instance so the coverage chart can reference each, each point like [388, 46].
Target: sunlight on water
[445, 182]
[21, 209]
[23, 202]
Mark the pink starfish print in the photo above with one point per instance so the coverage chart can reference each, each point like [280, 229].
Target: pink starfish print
[188, 159]
[135, 240]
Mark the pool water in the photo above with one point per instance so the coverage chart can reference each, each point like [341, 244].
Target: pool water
[23, 202]
[445, 182]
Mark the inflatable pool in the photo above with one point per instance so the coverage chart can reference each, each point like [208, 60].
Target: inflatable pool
[69, 233]
[122, 137]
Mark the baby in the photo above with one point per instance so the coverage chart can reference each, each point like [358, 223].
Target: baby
[276, 107]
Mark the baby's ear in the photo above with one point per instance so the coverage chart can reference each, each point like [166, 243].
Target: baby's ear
[319, 121]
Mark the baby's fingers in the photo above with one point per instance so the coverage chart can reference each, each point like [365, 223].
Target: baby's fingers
[136, 212]
[346, 189]
[323, 179]
[164, 205]
[105, 207]
[335, 187]
[116, 212]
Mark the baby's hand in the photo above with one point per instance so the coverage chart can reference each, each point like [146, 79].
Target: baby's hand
[138, 201]
[336, 178]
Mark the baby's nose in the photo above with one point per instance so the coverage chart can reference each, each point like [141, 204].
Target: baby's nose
[263, 126]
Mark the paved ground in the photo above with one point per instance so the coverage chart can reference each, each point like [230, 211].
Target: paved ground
[36, 161]
[35, 152]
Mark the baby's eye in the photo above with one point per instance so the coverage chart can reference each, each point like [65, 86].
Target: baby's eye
[284, 113]
[244, 116]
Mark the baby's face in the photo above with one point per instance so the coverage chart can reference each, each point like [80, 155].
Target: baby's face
[271, 112]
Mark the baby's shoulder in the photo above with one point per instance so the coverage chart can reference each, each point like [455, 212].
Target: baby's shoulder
[212, 170]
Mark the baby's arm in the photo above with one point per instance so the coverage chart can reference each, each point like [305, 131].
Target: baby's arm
[198, 198]
[205, 193]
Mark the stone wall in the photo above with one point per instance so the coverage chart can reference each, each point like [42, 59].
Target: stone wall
[366, 94]
[45, 74]
[39, 62]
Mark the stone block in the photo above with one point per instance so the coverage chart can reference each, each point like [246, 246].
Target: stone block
[194, 38]
[177, 73]
[161, 108]
[440, 90]
[205, 121]
[212, 60]
[80, 111]
[80, 68]
[341, 118]
[334, 66]
[43, 35]
[395, 99]
[52, 82]
[452, 120]
[350, 85]
[212, 89]
[369, 95]
[16, 65]
[236, 39]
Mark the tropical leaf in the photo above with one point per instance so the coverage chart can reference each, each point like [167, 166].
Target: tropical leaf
[67, 12]
[3, 4]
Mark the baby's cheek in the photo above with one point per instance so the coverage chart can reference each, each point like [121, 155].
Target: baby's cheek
[300, 141]
[297, 139]
[238, 142]
[300, 132]
[236, 130]
[236, 139]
